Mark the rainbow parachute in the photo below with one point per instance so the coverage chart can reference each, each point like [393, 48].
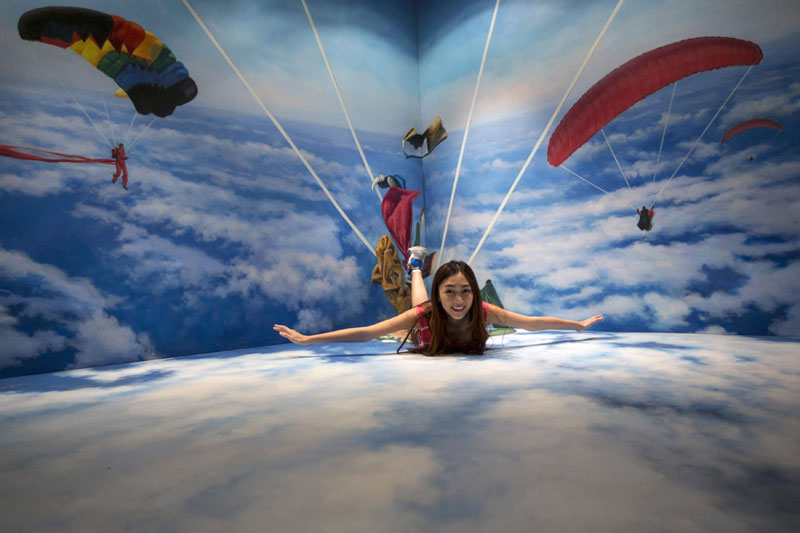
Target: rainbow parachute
[144, 68]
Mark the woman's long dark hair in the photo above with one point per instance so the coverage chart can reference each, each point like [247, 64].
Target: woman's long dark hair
[441, 339]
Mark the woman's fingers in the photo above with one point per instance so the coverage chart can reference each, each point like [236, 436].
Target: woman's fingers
[591, 321]
[289, 333]
[283, 331]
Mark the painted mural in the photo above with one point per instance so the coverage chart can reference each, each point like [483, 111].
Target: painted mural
[221, 229]
[648, 124]
[548, 431]
[135, 226]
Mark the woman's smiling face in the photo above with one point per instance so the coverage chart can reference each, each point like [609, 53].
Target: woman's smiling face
[455, 296]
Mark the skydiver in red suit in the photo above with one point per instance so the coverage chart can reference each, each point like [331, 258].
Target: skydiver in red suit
[645, 218]
[119, 159]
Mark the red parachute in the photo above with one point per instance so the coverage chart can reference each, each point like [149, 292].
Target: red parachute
[397, 214]
[640, 77]
[749, 125]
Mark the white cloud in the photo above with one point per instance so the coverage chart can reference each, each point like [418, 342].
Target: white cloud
[569, 277]
[498, 164]
[72, 303]
[83, 295]
[619, 305]
[714, 330]
[302, 278]
[18, 345]
[312, 321]
[37, 184]
[669, 312]
[271, 262]
[165, 265]
[101, 340]
[773, 106]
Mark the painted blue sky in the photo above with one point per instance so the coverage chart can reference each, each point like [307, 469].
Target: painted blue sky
[203, 249]
[371, 47]
[537, 47]
[724, 253]
[223, 232]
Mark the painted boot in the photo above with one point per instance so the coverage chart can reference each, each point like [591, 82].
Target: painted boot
[416, 259]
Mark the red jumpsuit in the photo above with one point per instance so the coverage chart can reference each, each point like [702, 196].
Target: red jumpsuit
[119, 159]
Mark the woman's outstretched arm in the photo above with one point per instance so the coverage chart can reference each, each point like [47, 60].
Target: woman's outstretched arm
[405, 320]
[498, 315]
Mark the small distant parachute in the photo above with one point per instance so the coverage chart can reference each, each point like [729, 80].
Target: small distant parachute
[432, 136]
[144, 68]
[749, 125]
[640, 77]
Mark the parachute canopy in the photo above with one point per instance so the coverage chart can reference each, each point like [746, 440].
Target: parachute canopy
[749, 125]
[640, 77]
[137, 60]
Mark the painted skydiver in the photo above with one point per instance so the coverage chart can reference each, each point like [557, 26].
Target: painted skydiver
[119, 160]
[645, 218]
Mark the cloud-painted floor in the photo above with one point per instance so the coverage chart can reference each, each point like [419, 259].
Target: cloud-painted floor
[545, 432]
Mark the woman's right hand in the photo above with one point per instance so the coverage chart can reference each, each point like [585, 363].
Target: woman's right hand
[294, 336]
[589, 322]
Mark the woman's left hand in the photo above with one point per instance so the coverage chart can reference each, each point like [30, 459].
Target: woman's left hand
[589, 322]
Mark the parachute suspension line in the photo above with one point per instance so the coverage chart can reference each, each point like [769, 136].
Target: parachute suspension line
[664, 133]
[127, 133]
[277, 125]
[339, 95]
[108, 118]
[592, 184]
[701, 136]
[466, 132]
[547, 128]
[87, 114]
[41, 57]
[617, 160]
[135, 139]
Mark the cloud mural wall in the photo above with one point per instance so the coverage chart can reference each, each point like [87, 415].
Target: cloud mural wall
[224, 231]
[723, 254]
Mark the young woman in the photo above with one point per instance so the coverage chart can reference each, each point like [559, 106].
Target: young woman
[454, 321]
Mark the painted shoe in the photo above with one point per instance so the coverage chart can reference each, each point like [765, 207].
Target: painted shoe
[384, 182]
[416, 258]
